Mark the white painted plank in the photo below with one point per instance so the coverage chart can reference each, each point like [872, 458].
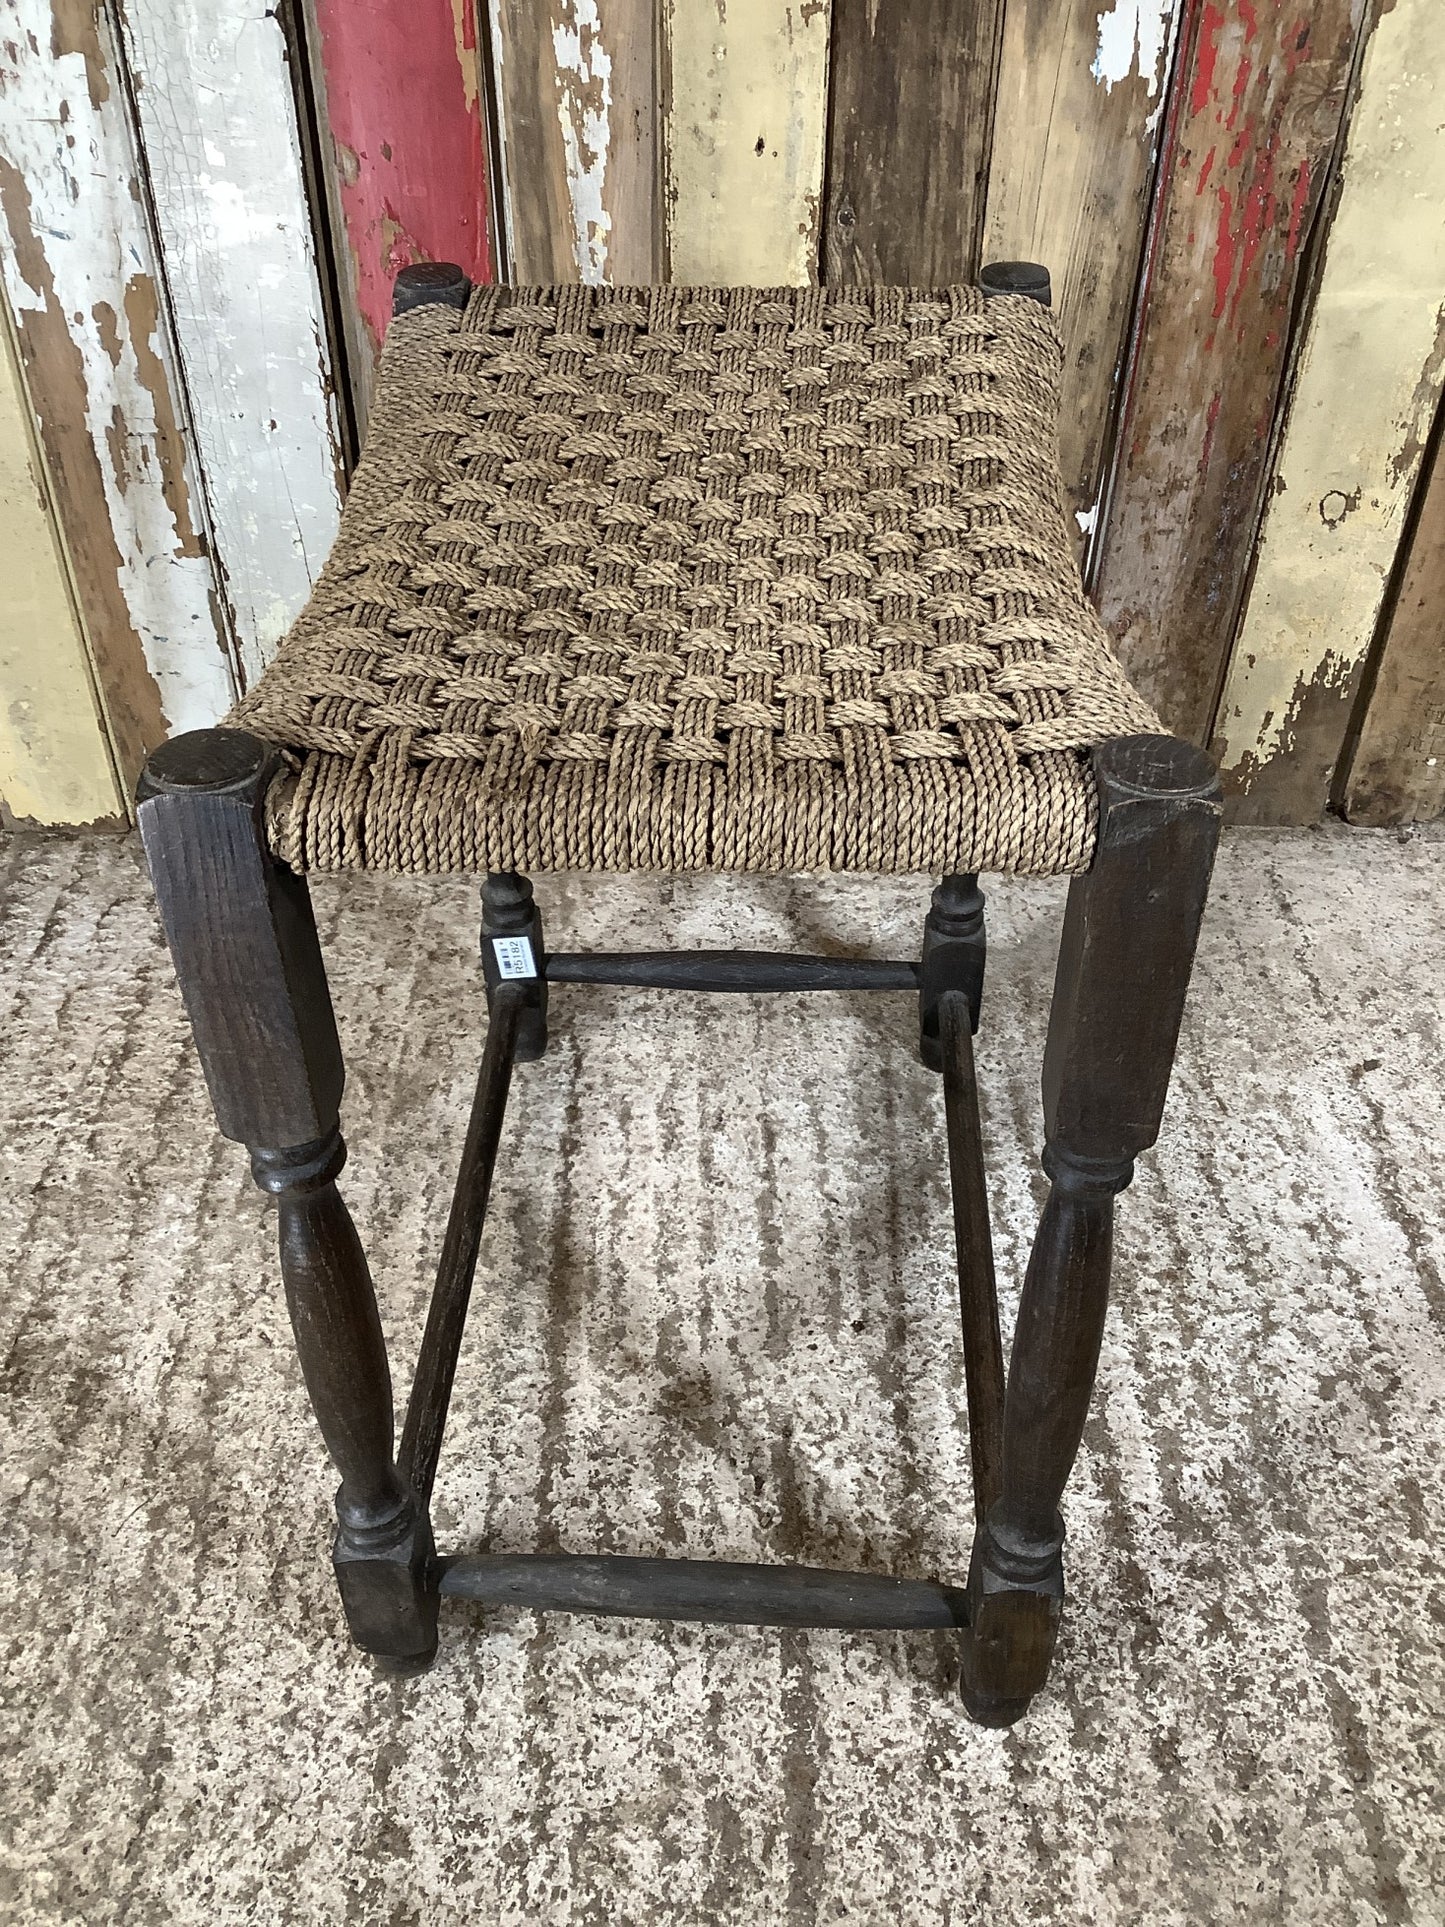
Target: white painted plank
[217, 119]
[1369, 379]
[81, 277]
[55, 761]
[746, 126]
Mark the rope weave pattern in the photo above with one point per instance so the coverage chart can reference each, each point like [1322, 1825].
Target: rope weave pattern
[701, 579]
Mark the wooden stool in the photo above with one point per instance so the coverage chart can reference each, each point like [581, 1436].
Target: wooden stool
[675, 580]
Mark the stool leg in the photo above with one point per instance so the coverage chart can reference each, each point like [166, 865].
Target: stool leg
[510, 910]
[954, 945]
[243, 938]
[1128, 945]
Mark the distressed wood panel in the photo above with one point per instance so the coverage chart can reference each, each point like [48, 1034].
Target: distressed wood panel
[745, 124]
[1368, 383]
[577, 91]
[1398, 771]
[910, 124]
[1075, 136]
[217, 118]
[1257, 111]
[55, 761]
[404, 150]
[84, 288]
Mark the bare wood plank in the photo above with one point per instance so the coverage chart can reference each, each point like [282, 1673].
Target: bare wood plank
[910, 123]
[1257, 110]
[85, 290]
[223, 158]
[576, 86]
[405, 148]
[1397, 774]
[745, 124]
[1075, 138]
[55, 760]
[1369, 381]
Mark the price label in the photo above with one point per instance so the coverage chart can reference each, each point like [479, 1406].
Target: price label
[514, 957]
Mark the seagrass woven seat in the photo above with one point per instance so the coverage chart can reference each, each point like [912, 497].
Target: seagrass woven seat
[685, 579]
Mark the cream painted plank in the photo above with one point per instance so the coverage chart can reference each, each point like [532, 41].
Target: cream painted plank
[746, 124]
[1369, 379]
[1076, 128]
[85, 290]
[576, 87]
[217, 118]
[55, 761]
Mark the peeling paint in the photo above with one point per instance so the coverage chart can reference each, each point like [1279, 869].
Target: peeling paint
[1134, 37]
[402, 95]
[217, 114]
[103, 379]
[584, 112]
[1368, 384]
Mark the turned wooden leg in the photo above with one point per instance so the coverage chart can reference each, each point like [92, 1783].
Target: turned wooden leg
[1128, 945]
[510, 914]
[954, 948]
[243, 937]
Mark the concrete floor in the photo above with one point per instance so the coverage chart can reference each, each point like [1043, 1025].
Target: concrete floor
[715, 1315]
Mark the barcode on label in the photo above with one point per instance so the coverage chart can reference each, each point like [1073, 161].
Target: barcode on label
[514, 957]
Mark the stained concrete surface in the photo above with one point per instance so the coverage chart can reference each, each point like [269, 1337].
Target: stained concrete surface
[715, 1316]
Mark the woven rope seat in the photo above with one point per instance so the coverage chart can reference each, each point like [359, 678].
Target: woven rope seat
[684, 579]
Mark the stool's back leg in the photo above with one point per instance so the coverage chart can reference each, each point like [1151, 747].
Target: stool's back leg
[243, 938]
[954, 951]
[1124, 962]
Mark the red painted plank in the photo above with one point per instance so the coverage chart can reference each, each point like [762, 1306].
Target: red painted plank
[1257, 107]
[405, 120]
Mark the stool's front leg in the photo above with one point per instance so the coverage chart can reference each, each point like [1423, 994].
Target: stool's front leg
[244, 942]
[1124, 962]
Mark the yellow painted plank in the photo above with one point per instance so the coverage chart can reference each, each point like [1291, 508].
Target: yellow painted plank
[1076, 124]
[745, 126]
[55, 763]
[1368, 382]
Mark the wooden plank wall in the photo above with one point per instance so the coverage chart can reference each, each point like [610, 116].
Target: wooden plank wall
[1257, 112]
[1397, 772]
[56, 766]
[404, 153]
[1080, 102]
[578, 102]
[1230, 195]
[1368, 384]
[745, 124]
[224, 173]
[86, 290]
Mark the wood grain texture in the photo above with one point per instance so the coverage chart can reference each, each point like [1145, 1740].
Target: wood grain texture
[1257, 110]
[1365, 396]
[223, 159]
[1397, 774]
[405, 150]
[577, 92]
[910, 124]
[85, 289]
[745, 123]
[55, 758]
[1075, 134]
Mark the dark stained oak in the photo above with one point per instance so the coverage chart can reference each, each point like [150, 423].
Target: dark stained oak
[244, 942]
[1130, 930]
